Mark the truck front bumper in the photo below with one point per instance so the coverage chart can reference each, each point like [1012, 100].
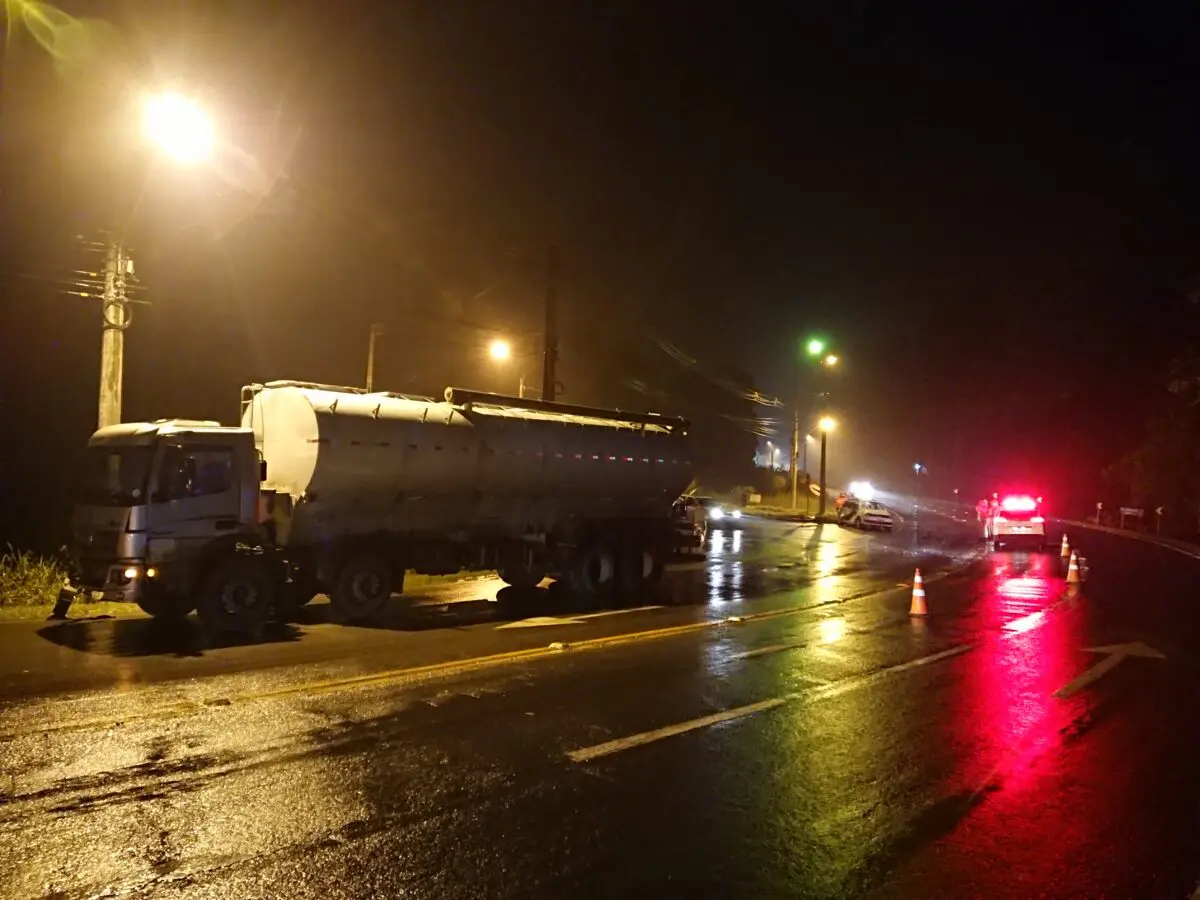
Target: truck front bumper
[118, 582]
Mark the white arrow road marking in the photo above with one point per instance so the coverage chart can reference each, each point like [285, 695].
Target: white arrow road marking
[541, 622]
[544, 621]
[1117, 654]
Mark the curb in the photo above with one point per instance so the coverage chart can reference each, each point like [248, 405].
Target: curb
[1190, 550]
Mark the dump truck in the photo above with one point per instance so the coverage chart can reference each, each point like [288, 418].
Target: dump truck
[325, 489]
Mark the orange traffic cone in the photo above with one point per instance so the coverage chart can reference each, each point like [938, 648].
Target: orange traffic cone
[1073, 569]
[918, 607]
[1066, 548]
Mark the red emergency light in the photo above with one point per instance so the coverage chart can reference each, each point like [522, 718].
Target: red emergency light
[1018, 503]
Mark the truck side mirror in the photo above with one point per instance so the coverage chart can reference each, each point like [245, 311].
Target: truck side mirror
[262, 470]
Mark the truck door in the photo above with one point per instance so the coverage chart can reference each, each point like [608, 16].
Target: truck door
[194, 500]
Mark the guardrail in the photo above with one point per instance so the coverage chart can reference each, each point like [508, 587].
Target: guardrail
[1187, 549]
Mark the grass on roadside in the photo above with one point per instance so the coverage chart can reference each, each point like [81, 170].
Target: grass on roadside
[29, 585]
[29, 579]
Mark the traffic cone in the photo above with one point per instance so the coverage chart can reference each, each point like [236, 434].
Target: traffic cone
[1066, 548]
[918, 607]
[1073, 569]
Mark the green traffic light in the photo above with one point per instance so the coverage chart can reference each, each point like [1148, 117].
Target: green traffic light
[815, 347]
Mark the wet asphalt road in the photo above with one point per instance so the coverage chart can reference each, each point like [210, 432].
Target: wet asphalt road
[776, 725]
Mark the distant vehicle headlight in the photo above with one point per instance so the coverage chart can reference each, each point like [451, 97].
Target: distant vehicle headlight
[737, 513]
[716, 513]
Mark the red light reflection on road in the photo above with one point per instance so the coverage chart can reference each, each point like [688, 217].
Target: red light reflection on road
[1006, 735]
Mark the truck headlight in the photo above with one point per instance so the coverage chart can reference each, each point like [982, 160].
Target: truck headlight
[716, 513]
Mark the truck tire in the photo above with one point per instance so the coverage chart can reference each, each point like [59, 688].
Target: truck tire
[237, 595]
[640, 567]
[166, 607]
[521, 577]
[591, 572]
[363, 587]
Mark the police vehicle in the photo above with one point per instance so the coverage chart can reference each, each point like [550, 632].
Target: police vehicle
[1016, 520]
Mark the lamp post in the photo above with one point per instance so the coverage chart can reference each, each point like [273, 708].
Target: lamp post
[181, 130]
[826, 425]
[501, 351]
[814, 348]
[376, 331]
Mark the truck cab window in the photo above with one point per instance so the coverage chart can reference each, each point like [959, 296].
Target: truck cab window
[194, 472]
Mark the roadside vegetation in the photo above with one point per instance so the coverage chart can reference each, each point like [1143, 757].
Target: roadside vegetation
[29, 579]
[29, 585]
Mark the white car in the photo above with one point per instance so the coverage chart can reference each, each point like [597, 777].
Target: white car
[866, 514]
[720, 515]
[1016, 519]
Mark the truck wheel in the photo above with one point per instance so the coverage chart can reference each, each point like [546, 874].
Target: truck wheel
[167, 607]
[592, 571]
[640, 566]
[236, 595]
[363, 587]
[522, 578]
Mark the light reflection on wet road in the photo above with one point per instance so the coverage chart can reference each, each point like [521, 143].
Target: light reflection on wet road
[825, 744]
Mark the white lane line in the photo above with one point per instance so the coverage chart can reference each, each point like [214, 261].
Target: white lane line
[616, 612]
[771, 648]
[587, 754]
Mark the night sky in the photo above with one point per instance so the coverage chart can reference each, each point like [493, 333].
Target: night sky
[991, 208]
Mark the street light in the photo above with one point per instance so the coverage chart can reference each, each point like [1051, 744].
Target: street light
[815, 348]
[826, 425]
[179, 127]
[500, 350]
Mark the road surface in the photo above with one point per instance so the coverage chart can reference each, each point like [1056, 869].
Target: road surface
[772, 723]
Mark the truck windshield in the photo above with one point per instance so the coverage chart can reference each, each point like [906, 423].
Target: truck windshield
[115, 475]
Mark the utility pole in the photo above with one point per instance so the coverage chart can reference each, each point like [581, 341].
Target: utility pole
[550, 338]
[821, 497]
[116, 318]
[376, 331]
[521, 388]
[807, 492]
[795, 453]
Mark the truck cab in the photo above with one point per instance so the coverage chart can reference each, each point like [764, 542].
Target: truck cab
[156, 499]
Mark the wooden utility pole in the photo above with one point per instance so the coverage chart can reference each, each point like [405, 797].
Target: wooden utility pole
[115, 319]
[795, 454]
[550, 337]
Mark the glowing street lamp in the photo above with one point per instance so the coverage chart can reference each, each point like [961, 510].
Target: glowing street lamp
[183, 131]
[178, 127]
[826, 424]
[500, 350]
[830, 360]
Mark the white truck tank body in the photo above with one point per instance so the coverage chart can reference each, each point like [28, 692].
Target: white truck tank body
[359, 463]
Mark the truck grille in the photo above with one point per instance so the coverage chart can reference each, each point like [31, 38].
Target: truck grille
[97, 544]
[94, 572]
